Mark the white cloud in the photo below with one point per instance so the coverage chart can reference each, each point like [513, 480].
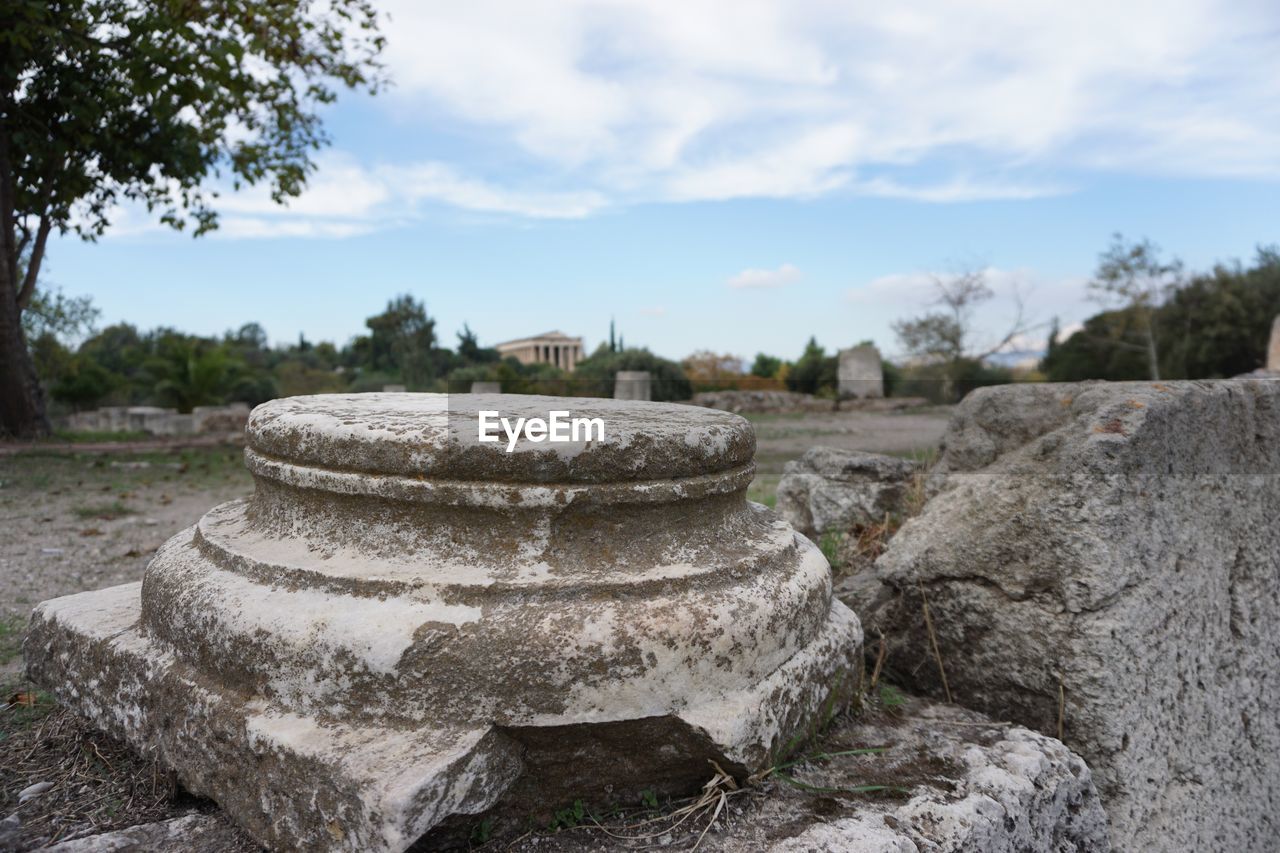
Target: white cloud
[345, 199]
[754, 279]
[633, 100]
[252, 227]
[559, 110]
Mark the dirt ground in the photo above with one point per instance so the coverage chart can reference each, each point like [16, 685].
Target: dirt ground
[913, 433]
[78, 518]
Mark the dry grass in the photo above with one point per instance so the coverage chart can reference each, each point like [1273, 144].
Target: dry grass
[95, 783]
[859, 547]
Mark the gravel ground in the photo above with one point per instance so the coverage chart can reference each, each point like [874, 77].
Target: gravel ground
[75, 521]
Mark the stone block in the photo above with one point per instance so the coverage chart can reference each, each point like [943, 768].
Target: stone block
[959, 782]
[230, 418]
[860, 373]
[1273, 349]
[406, 628]
[632, 385]
[486, 387]
[1104, 559]
[834, 490]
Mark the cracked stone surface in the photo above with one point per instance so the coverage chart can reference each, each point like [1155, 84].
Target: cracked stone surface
[1105, 557]
[404, 626]
[832, 490]
[960, 783]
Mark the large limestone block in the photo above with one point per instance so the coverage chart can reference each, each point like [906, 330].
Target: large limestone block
[406, 628]
[860, 373]
[1105, 558]
[833, 490]
[1273, 349]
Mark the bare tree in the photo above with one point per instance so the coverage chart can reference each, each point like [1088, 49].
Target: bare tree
[946, 336]
[1132, 276]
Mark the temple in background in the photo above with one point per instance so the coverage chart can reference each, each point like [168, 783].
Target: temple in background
[555, 348]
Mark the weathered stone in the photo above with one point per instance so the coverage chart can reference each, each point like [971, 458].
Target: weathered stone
[1105, 558]
[486, 387]
[1010, 790]
[161, 422]
[632, 385]
[759, 401]
[405, 624]
[230, 418]
[958, 782]
[1273, 350]
[834, 490]
[860, 373]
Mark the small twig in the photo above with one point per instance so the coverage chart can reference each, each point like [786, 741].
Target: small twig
[1062, 707]
[933, 640]
[880, 656]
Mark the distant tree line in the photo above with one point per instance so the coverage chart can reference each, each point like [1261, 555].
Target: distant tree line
[1167, 326]
[83, 368]
[1156, 323]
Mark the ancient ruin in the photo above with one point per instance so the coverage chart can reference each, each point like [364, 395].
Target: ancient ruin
[158, 421]
[860, 373]
[1101, 561]
[406, 629]
[555, 348]
[832, 491]
[632, 385]
[1273, 349]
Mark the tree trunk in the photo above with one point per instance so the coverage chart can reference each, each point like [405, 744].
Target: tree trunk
[1152, 355]
[22, 412]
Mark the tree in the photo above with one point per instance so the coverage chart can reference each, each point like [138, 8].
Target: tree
[470, 351]
[709, 371]
[67, 318]
[402, 340]
[814, 371]
[1132, 275]
[945, 337]
[594, 376]
[191, 373]
[1092, 352]
[1211, 325]
[104, 102]
[766, 366]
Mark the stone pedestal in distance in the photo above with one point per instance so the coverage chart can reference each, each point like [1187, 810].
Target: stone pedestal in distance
[860, 373]
[632, 385]
[405, 628]
[481, 387]
[1273, 350]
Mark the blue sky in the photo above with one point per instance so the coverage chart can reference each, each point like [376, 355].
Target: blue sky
[737, 176]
